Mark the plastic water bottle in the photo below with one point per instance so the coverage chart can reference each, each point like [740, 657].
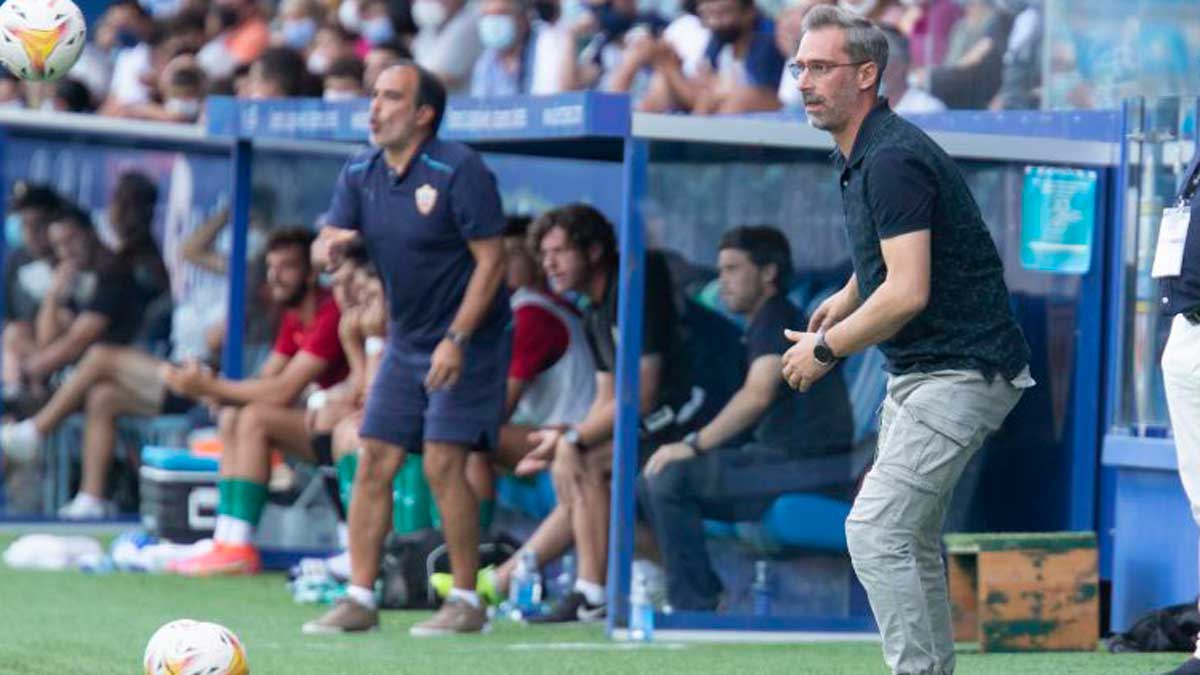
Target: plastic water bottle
[641, 610]
[525, 589]
[565, 581]
[761, 590]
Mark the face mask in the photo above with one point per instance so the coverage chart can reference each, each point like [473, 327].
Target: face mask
[727, 35]
[428, 14]
[547, 10]
[572, 10]
[860, 7]
[611, 22]
[228, 16]
[348, 16]
[336, 95]
[378, 30]
[12, 230]
[127, 39]
[160, 9]
[299, 34]
[497, 31]
[188, 108]
[317, 63]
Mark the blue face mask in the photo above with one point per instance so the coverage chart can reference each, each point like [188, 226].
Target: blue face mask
[378, 30]
[612, 22]
[299, 33]
[12, 231]
[497, 31]
[127, 39]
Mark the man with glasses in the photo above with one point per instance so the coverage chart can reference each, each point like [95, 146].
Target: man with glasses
[928, 288]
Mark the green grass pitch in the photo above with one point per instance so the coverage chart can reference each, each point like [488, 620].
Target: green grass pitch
[54, 623]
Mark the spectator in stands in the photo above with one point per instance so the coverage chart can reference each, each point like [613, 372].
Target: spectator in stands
[877, 11]
[344, 80]
[787, 39]
[903, 98]
[12, 90]
[551, 384]
[70, 95]
[741, 70]
[331, 43]
[184, 86]
[1021, 80]
[28, 276]
[928, 23]
[378, 22]
[381, 57]
[137, 71]
[974, 65]
[800, 442]
[447, 41]
[578, 249]
[278, 73]
[241, 37]
[609, 28]
[296, 23]
[516, 60]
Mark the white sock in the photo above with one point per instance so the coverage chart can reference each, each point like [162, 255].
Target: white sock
[233, 531]
[363, 596]
[469, 597]
[343, 535]
[593, 592]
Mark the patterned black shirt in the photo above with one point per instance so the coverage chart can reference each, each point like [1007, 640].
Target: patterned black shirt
[896, 181]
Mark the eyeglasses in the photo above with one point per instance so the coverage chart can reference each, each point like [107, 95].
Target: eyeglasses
[816, 69]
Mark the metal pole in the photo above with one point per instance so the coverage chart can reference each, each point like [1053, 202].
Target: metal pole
[235, 322]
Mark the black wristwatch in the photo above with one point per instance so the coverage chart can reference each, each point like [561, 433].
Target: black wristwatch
[822, 353]
[692, 440]
[457, 337]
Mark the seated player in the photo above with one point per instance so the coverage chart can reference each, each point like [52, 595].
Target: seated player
[263, 414]
[800, 441]
[112, 381]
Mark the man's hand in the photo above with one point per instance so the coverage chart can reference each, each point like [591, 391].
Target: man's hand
[190, 379]
[545, 441]
[800, 367]
[330, 244]
[665, 455]
[445, 366]
[63, 283]
[835, 308]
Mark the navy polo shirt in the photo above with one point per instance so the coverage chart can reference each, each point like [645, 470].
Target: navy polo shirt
[416, 226]
[1182, 293]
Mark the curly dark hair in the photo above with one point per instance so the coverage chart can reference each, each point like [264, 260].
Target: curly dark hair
[585, 227]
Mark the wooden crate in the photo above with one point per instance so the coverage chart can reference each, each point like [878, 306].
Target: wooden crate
[1024, 592]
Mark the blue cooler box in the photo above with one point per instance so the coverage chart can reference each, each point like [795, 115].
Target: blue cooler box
[179, 494]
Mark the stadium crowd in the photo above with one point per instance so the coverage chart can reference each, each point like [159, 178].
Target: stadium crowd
[160, 59]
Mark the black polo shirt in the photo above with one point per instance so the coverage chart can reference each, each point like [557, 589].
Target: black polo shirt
[1182, 293]
[416, 226]
[896, 181]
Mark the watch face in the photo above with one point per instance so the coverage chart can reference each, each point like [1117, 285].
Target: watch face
[823, 354]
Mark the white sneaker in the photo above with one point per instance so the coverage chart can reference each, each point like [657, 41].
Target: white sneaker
[20, 441]
[87, 507]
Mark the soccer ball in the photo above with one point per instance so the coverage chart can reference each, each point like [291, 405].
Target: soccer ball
[187, 647]
[40, 39]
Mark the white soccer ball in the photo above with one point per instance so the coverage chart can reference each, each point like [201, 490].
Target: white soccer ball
[187, 647]
[40, 39]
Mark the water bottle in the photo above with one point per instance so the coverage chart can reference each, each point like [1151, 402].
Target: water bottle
[565, 581]
[525, 589]
[641, 610]
[761, 590]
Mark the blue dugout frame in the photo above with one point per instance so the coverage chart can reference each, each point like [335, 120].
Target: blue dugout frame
[590, 125]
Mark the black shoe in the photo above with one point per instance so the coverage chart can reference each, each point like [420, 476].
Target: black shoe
[1189, 667]
[574, 607]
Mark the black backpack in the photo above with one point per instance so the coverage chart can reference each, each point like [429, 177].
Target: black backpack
[1171, 629]
[409, 560]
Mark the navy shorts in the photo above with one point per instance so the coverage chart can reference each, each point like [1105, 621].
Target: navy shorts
[400, 411]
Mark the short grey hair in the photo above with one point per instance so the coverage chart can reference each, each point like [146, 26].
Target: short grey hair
[864, 40]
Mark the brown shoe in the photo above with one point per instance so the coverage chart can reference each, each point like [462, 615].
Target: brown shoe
[347, 616]
[455, 616]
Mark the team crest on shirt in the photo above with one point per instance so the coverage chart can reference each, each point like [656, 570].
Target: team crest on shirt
[426, 197]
